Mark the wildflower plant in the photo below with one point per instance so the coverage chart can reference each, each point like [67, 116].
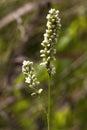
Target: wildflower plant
[48, 51]
[48, 55]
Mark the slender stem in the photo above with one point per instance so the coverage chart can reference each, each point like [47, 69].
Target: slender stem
[49, 102]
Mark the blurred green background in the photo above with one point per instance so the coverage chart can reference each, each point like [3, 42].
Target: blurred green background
[22, 25]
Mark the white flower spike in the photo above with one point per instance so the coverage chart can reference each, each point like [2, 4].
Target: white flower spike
[50, 38]
[30, 77]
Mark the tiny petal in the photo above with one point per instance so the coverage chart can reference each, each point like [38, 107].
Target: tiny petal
[48, 45]
[23, 69]
[53, 70]
[48, 51]
[30, 85]
[33, 84]
[27, 80]
[48, 16]
[48, 58]
[41, 51]
[42, 55]
[52, 10]
[37, 82]
[40, 91]
[25, 62]
[32, 94]
[42, 44]
[33, 76]
[54, 51]
[43, 64]
[57, 11]
[49, 25]
[53, 20]
[45, 35]
[53, 58]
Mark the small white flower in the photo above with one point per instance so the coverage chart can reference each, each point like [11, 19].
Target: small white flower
[43, 44]
[37, 82]
[49, 24]
[57, 11]
[43, 64]
[33, 76]
[51, 11]
[33, 84]
[55, 40]
[27, 80]
[33, 94]
[23, 69]
[53, 71]
[45, 40]
[41, 51]
[54, 51]
[42, 55]
[34, 80]
[48, 51]
[48, 16]
[53, 58]
[45, 35]
[25, 62]
[48, 58]
[48, 31]
[40, 91]
[48, 45]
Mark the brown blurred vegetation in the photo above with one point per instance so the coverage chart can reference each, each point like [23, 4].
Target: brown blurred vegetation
[22, 25]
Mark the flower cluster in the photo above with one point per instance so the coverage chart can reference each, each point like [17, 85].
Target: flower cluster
[50, 38]
[30, 77]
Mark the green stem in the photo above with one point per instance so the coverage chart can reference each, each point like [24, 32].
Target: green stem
[49, 102]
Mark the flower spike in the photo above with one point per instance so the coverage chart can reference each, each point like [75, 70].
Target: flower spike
[30, 77]
[50, 38]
